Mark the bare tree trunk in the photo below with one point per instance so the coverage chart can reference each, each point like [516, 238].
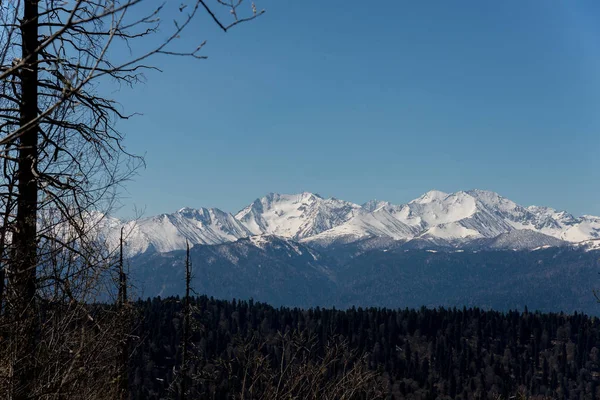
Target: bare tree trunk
[122, 274]
[23, 270]
[123, 370]
[186, 322]
[2, 278]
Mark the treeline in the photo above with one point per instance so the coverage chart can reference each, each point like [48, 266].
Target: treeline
[243, 349]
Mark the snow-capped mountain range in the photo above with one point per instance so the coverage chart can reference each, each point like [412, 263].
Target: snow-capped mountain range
[457, 219]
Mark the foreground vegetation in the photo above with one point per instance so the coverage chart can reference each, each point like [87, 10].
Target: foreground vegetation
[63, 163]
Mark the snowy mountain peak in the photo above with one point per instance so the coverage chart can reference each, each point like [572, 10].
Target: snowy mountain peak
[373, 205]
[458, 218]
[205, 215]
[431, 196]
[295, 215]
[167, 232]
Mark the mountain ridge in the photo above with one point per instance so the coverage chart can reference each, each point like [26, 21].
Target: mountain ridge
[453, 219]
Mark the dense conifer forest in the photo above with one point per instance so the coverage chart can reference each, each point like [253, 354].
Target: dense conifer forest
[243, 349]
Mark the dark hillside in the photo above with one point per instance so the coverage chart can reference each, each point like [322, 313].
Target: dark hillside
[440, 353]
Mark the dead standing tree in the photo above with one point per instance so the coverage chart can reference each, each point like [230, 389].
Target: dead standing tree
[124, 314]
[183, 387]
[187, 311]
[63, 159]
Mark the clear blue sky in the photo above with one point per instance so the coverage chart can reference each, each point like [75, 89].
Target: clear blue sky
[386, 100]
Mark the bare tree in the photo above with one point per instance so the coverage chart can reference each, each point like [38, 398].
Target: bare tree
[125, 316]
[185, 336]
[182, 387]
[63, 162]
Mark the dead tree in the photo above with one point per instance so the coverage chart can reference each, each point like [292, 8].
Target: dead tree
[185, 335]
[63, 162]
[123, 365]
[22, 272]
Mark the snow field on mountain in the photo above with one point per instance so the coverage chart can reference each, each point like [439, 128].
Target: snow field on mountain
[456, 218]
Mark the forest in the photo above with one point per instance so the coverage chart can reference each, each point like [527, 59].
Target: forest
[422, 353]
